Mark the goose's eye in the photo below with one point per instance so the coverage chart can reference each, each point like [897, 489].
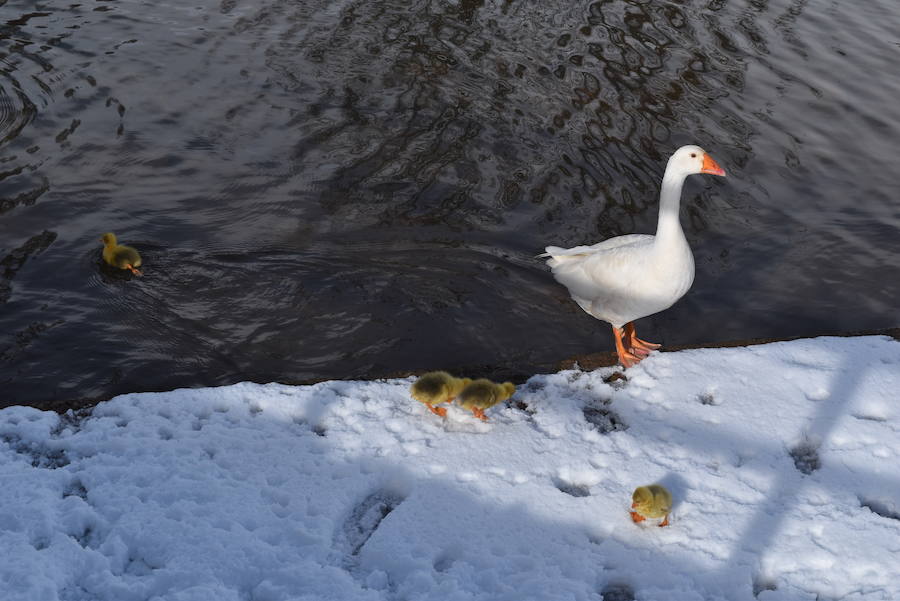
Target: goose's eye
[693, 155]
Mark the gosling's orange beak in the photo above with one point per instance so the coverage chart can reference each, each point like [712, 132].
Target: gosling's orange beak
[711, 167]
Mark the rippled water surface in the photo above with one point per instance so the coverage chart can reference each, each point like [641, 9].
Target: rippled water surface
[338, 189]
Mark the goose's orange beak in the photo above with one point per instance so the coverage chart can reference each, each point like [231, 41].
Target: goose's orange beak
[711, 167]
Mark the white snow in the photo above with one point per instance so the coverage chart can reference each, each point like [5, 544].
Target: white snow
[783, 461]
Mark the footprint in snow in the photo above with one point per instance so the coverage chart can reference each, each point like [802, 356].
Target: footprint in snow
[617, 592]
[571, 488]
[604, 419]
[75, 489]
[761, 584]
[806, 457]
[363, 520]
[708, 398]
[880, 508]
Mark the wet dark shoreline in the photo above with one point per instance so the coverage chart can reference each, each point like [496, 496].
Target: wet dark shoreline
[344, 189]
[586, 362]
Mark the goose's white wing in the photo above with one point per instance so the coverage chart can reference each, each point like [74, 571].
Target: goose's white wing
[561, 255]
[620, 279]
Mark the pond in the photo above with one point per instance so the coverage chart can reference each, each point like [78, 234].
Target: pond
[346, 189]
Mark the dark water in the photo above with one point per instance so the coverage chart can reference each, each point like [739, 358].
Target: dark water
[338, 189]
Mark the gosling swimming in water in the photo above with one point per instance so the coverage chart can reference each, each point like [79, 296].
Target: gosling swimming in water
[119, 255]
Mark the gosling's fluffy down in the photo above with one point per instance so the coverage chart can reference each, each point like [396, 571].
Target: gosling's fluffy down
[119, 255]
[653, 501]
[483, 394]
[437, 387]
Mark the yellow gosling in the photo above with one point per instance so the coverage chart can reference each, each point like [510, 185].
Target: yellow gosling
[483, 394]
[652, 501]
[437, 387]
[119, 255]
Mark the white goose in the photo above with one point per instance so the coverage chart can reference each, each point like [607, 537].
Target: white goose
[636, 275]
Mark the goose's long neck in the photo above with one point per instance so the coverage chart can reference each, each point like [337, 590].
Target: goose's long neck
[668, 229]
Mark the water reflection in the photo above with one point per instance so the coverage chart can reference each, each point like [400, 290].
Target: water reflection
[344, 189]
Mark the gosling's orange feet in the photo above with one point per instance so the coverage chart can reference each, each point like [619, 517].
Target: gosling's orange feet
[479, 413]
[636, 517]
[135, 271]
[438, 410]
[665, 522]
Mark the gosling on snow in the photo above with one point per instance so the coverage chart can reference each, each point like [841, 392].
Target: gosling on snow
[653, 501]
[437, 387]
[483, 394]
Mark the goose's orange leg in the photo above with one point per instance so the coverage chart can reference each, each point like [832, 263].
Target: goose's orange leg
[636, 517]
[635, 343]
[628, 343]
[626, 357]
[479, 413]
[134, 270]
[665, 522]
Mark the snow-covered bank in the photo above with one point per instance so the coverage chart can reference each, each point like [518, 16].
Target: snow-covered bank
[784, 460]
